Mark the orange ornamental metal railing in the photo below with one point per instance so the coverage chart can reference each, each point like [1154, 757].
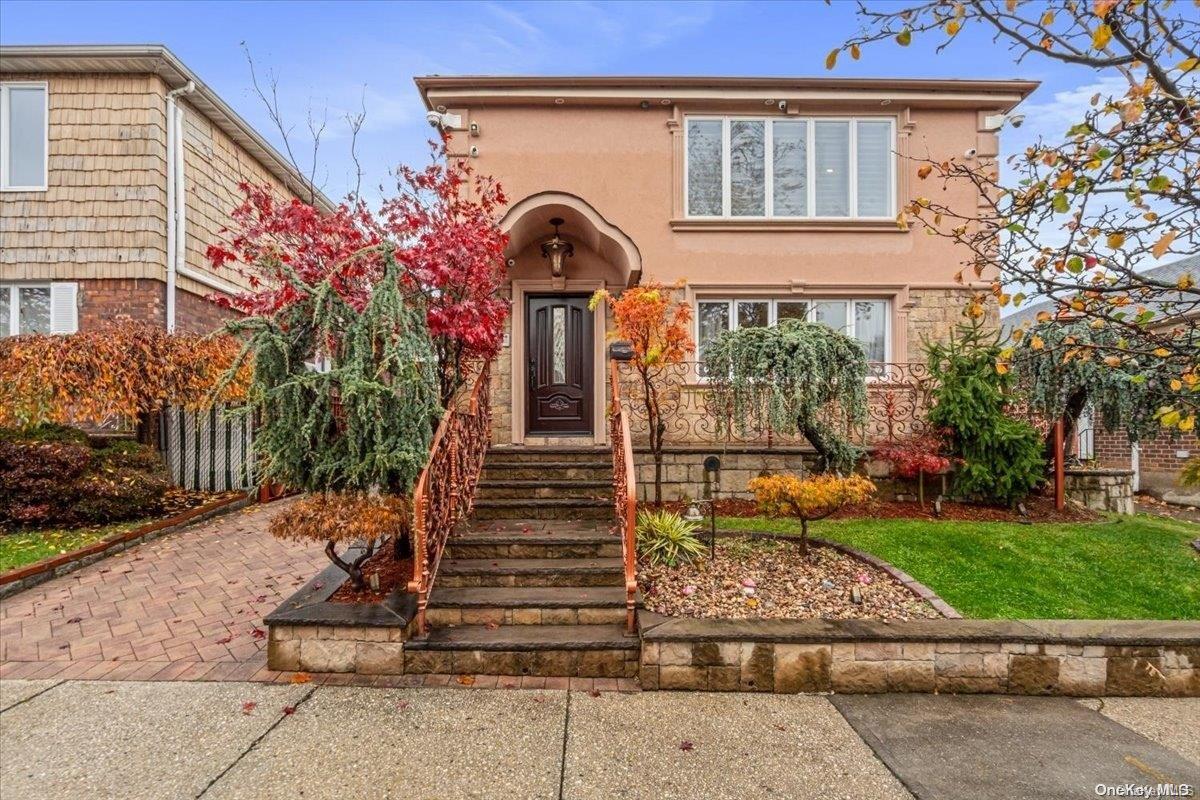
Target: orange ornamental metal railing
[445, 492]
[624, 492]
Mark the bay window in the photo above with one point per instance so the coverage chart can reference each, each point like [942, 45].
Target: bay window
[23, 136]
[863, 319]
[793, 168]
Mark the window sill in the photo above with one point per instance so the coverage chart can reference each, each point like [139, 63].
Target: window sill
[856, 225]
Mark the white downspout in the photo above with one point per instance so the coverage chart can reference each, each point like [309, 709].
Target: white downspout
[176, 199]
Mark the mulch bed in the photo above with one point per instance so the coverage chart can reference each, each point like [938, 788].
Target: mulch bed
[766, 579]
[1041, 509]
[392, 574]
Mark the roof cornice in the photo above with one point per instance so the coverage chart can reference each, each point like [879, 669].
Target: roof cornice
[520, 90]
[157, 59]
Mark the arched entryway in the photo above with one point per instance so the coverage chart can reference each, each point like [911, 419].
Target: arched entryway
[556, 343]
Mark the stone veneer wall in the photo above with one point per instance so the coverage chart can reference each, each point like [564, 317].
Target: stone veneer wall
[965, 656]
[1101, 489]
[683, 469]
[337, 648]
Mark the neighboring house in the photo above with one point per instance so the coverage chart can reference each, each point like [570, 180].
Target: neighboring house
[118, 168]
[772, 198]
[1156, 462]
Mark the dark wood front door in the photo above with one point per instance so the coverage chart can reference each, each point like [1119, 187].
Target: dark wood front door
[558, 365]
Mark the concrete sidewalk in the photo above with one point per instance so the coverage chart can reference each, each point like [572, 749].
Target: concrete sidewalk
[101, 739]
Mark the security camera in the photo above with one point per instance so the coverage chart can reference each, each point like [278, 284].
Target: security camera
[782, 105]
[1016, 119]
[512, 262]
[474, 151]
[971, 152]
[442, 120]
[475, 129]
[994, 122]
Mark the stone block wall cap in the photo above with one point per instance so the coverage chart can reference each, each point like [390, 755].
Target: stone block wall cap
[1088, 471]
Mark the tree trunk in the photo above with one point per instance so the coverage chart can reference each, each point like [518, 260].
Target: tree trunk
[353, 568]
[803, 536]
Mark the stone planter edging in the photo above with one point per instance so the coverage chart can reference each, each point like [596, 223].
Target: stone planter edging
[310, 633]
[1053, 657]
[21, 578]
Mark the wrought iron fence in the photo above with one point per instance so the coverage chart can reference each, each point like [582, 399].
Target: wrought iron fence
[898, 395]
[208, 449]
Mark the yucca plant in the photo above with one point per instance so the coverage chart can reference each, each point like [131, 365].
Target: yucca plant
[664, 537]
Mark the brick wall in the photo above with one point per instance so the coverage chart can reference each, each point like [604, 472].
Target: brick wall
[144, 299]
[1159, 460]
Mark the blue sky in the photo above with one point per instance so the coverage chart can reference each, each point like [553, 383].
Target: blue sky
[334, 55]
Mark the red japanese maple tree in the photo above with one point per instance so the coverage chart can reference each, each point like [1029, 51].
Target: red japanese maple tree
[441, 226]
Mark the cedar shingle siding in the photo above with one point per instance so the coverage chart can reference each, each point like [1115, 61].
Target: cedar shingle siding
[103, 219]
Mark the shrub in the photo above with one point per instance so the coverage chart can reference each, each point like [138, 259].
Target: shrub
[664, 537]
[336, 517]
[1001, 456]
[914, 458]
[809, 499]
[1190, 476]
[49, 475]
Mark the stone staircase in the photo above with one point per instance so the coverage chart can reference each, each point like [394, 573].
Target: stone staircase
[563, 483]
[534, 586]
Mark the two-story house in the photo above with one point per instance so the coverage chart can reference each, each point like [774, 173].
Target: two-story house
[118, 168]
[770, 198]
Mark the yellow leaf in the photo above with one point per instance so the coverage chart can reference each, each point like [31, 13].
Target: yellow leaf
[1002, 369]
[855, 52]
[1115, 240]
[1188, 64]
[1185, 281]
[1047, 19]
[1102, 7]
[1113, 361]
[953, 27]
[1101, 37]
[904, 37]
[1170, 419]
[1160, 247]
[1188, 423]
[1176, 385]
[1010, 5]
[831, 59]
[924, 171]
[1162, 352]
[1036, 342]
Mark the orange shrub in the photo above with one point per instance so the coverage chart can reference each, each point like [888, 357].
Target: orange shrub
[808, 498]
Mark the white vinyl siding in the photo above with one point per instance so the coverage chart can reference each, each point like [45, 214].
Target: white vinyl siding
[24, 140]
[38, 308]
[863, 319]
[791, 168]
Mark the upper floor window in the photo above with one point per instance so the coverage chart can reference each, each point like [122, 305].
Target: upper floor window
[23, 136]
[790, 168]
[38, 308]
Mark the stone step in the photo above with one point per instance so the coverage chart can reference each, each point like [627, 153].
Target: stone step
[585, 651]
[550, 470]
[541, 455]
[532, 543]
[549, 487]
[597, 605]
[543, 508]
[576, 572]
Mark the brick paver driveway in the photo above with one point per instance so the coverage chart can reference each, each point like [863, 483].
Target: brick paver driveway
[186, 606]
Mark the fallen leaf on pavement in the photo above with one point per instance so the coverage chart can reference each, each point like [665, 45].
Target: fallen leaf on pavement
[248, 707]
[686, 746]
[289, 710]
[301, 677]
[466, 680]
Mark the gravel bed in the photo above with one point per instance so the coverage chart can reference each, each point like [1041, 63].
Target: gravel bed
[765, 579]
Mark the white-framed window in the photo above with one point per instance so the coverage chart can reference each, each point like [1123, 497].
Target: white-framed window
[789, 167]
[27, 308]
[868, 320]
[24, 136]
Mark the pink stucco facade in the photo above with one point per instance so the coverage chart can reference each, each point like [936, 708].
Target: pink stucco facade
[609, 156]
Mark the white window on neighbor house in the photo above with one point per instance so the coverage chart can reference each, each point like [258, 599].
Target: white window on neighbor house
[866, 320]
[791, 168]
[27, 308]
[24, 136]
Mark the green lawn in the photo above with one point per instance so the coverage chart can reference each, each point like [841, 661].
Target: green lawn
[27, 546]
[1140, 567]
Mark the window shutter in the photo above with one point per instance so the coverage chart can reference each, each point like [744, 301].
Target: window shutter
[64, 311]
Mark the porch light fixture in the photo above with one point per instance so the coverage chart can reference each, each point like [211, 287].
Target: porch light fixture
[556, 249]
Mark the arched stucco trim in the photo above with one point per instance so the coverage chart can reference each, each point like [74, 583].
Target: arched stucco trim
[611, 241]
